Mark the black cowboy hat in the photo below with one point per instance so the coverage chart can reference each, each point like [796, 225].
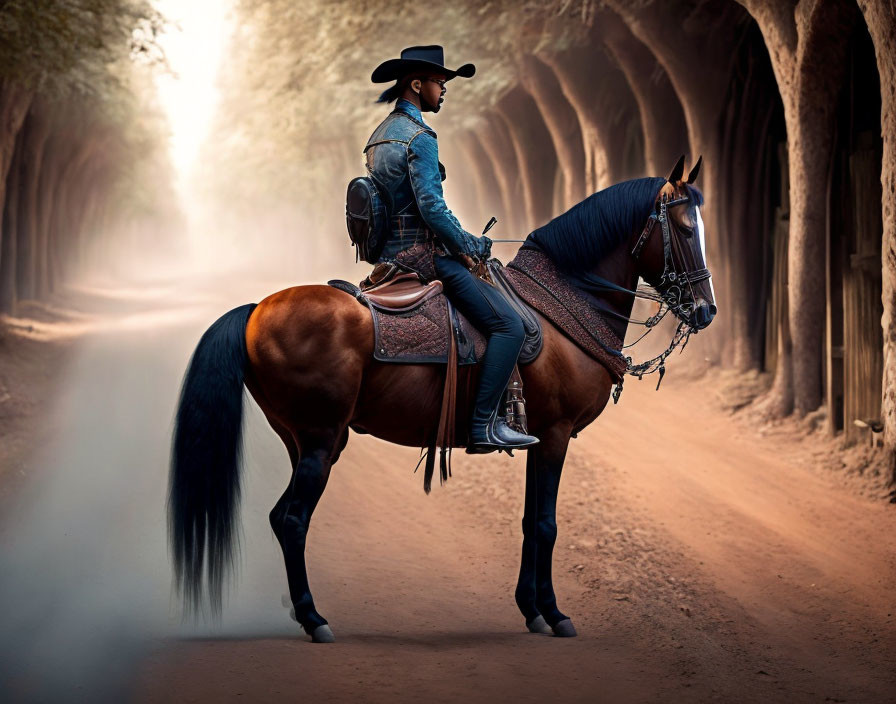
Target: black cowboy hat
[419, 58]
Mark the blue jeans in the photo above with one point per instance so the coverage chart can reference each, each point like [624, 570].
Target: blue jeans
[489, 311]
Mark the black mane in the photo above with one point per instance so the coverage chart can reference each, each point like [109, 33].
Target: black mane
[579, 238]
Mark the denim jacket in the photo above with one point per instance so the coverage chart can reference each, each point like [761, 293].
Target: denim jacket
[403, 157]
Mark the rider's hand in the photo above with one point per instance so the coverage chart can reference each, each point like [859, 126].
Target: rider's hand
[483, 247]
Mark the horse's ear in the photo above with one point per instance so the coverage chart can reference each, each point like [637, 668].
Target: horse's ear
[678, 171]
[696, 170]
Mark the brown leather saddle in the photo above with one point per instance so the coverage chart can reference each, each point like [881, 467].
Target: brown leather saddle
[414, 322]
[402, 292]
[412, 319]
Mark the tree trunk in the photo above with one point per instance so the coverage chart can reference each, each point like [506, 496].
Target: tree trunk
[819, 76]
[489, 192]
[880, 16]
[534, 152]
[806, 45]
[491, 195]
[605, 108]
[61, 217]
[35, 139]
[498, 146]
[562, 124]
[86, 223]
[662, 118]
[10, 228]
[49, 175]
[14, 103]
[701, 93]
[462, 182]
[70, 150]
[744, 179]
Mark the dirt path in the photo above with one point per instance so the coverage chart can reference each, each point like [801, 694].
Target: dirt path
[698, 561]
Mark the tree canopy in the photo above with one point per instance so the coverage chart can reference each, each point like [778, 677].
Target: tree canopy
[296, 89]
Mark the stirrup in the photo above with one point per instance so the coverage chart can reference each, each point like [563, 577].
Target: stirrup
[515, 404]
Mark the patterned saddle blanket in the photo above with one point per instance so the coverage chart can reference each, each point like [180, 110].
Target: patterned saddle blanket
[539, 282]
[411, 321]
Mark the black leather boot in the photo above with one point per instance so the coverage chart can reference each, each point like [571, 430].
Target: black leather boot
[496, 434]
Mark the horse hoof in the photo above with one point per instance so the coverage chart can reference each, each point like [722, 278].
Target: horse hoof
[323, 634]
[565, 629]
[538, 625]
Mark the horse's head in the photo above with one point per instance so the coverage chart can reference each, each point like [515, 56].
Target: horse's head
[671, 250]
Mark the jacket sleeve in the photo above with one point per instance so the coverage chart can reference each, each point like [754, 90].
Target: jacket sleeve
[426, 181]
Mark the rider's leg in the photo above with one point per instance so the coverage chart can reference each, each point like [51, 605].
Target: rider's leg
[487, 309]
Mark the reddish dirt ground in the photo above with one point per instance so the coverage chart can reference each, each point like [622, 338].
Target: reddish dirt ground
[698, 559]
[702, 556]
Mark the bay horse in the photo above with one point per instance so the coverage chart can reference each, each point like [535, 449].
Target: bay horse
[306, 356]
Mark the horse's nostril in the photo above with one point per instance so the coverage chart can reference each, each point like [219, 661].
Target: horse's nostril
[703, 315]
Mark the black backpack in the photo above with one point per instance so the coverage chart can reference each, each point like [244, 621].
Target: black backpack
[367, 215]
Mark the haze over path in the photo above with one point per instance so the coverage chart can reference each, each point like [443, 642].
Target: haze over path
[696, 560]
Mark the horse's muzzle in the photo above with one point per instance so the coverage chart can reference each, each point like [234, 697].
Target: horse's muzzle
[702, 315]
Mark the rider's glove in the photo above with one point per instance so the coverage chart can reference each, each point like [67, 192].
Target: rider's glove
[483, 247]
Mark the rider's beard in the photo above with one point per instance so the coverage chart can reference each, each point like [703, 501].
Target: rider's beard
[430, 106]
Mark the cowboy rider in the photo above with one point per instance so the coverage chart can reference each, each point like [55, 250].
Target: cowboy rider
[402, 157]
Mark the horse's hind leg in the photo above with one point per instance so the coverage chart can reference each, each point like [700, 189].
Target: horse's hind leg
[291, 517]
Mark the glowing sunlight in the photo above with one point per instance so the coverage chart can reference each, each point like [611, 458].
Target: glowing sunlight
[193, 45]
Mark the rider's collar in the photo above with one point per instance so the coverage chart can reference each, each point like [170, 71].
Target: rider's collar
[407, 107]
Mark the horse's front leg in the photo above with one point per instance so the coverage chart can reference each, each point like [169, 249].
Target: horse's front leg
[535, 590]
[525, 586]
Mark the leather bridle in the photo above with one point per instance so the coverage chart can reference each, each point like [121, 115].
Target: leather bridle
[671, 281]
[670, 287]
[667, 293]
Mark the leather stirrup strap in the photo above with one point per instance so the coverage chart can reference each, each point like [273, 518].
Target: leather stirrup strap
[515, 403]
[445, 433]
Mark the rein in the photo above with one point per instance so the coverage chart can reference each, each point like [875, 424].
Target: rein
[667, 293]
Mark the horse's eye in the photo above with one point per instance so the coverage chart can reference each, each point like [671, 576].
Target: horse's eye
[687, 232]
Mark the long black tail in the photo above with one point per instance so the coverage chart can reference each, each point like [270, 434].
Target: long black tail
[204, 483]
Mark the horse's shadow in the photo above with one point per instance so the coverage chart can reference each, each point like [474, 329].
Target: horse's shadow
[426, 641]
